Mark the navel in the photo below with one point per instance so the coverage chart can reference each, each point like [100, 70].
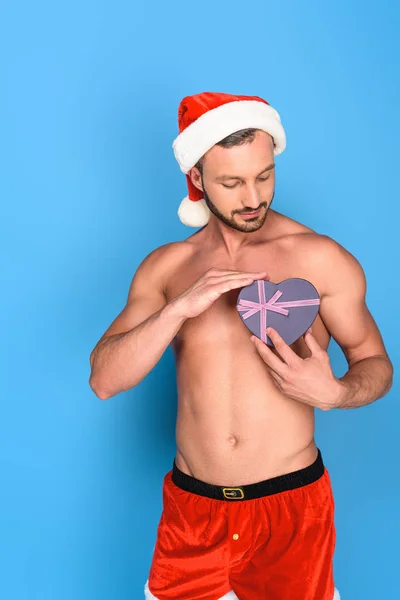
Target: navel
[232, 440]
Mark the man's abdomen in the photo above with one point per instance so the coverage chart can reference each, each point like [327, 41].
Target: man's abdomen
[242, 435]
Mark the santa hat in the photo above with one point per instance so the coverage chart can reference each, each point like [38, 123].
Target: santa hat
[207, 118]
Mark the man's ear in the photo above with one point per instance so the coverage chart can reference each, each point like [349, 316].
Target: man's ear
[195, 177]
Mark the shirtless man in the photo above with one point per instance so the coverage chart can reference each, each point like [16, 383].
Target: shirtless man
[248, 510]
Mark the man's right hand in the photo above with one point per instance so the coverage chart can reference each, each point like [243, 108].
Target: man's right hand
[210, 286]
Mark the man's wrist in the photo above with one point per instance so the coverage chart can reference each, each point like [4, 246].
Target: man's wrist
[340, 394]
[173, 311]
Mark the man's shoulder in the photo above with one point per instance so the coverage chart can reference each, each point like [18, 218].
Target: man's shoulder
[332, 265]
[323, 248]
[315, 248]
[294, 233]
[159, 261]
[169, 252]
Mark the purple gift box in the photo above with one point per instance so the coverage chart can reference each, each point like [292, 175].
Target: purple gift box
[290, 307]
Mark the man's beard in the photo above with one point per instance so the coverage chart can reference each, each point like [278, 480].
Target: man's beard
[248, 225]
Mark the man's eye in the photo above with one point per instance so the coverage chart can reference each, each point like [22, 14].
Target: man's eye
[236, 184]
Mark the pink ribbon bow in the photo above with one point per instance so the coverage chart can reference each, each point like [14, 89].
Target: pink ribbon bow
[253, 307]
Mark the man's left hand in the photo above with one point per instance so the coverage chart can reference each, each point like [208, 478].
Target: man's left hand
[309, 380]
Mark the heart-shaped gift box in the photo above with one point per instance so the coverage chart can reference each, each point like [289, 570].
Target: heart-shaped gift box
[290, 307]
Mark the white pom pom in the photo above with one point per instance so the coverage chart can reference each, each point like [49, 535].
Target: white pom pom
[193, 213]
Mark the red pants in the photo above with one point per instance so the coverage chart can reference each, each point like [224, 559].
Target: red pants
[270, 540]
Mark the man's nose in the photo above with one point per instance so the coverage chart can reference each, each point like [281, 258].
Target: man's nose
[252, 199]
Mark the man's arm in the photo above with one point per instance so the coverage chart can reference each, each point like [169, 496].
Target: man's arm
[138, 337]
[345, 314]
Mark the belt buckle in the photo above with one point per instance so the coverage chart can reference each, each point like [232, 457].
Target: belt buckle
[233, 493]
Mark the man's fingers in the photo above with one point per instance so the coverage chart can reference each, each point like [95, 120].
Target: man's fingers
[273, 361]
[232, 281]
[282, 348]
[231, 273]
[229, 284]
[311, 342]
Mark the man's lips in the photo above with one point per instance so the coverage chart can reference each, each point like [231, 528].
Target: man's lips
[252, 214]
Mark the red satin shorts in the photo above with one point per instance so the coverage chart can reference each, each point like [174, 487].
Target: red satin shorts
[271, 540]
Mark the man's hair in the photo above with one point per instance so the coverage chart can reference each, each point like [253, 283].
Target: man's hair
[235, 139]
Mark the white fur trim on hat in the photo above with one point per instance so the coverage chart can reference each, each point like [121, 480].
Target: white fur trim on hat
[216, 124]
[194, 213]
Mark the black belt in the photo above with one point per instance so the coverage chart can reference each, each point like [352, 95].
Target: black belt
[274, 485]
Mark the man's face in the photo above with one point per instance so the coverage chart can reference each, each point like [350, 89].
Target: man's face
[239, 180]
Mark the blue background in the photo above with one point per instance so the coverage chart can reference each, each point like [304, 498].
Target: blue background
[89, 186]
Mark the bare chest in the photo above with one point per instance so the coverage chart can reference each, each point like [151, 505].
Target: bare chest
[221, 323]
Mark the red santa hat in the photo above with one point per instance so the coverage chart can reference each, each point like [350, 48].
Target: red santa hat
[207, 118]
